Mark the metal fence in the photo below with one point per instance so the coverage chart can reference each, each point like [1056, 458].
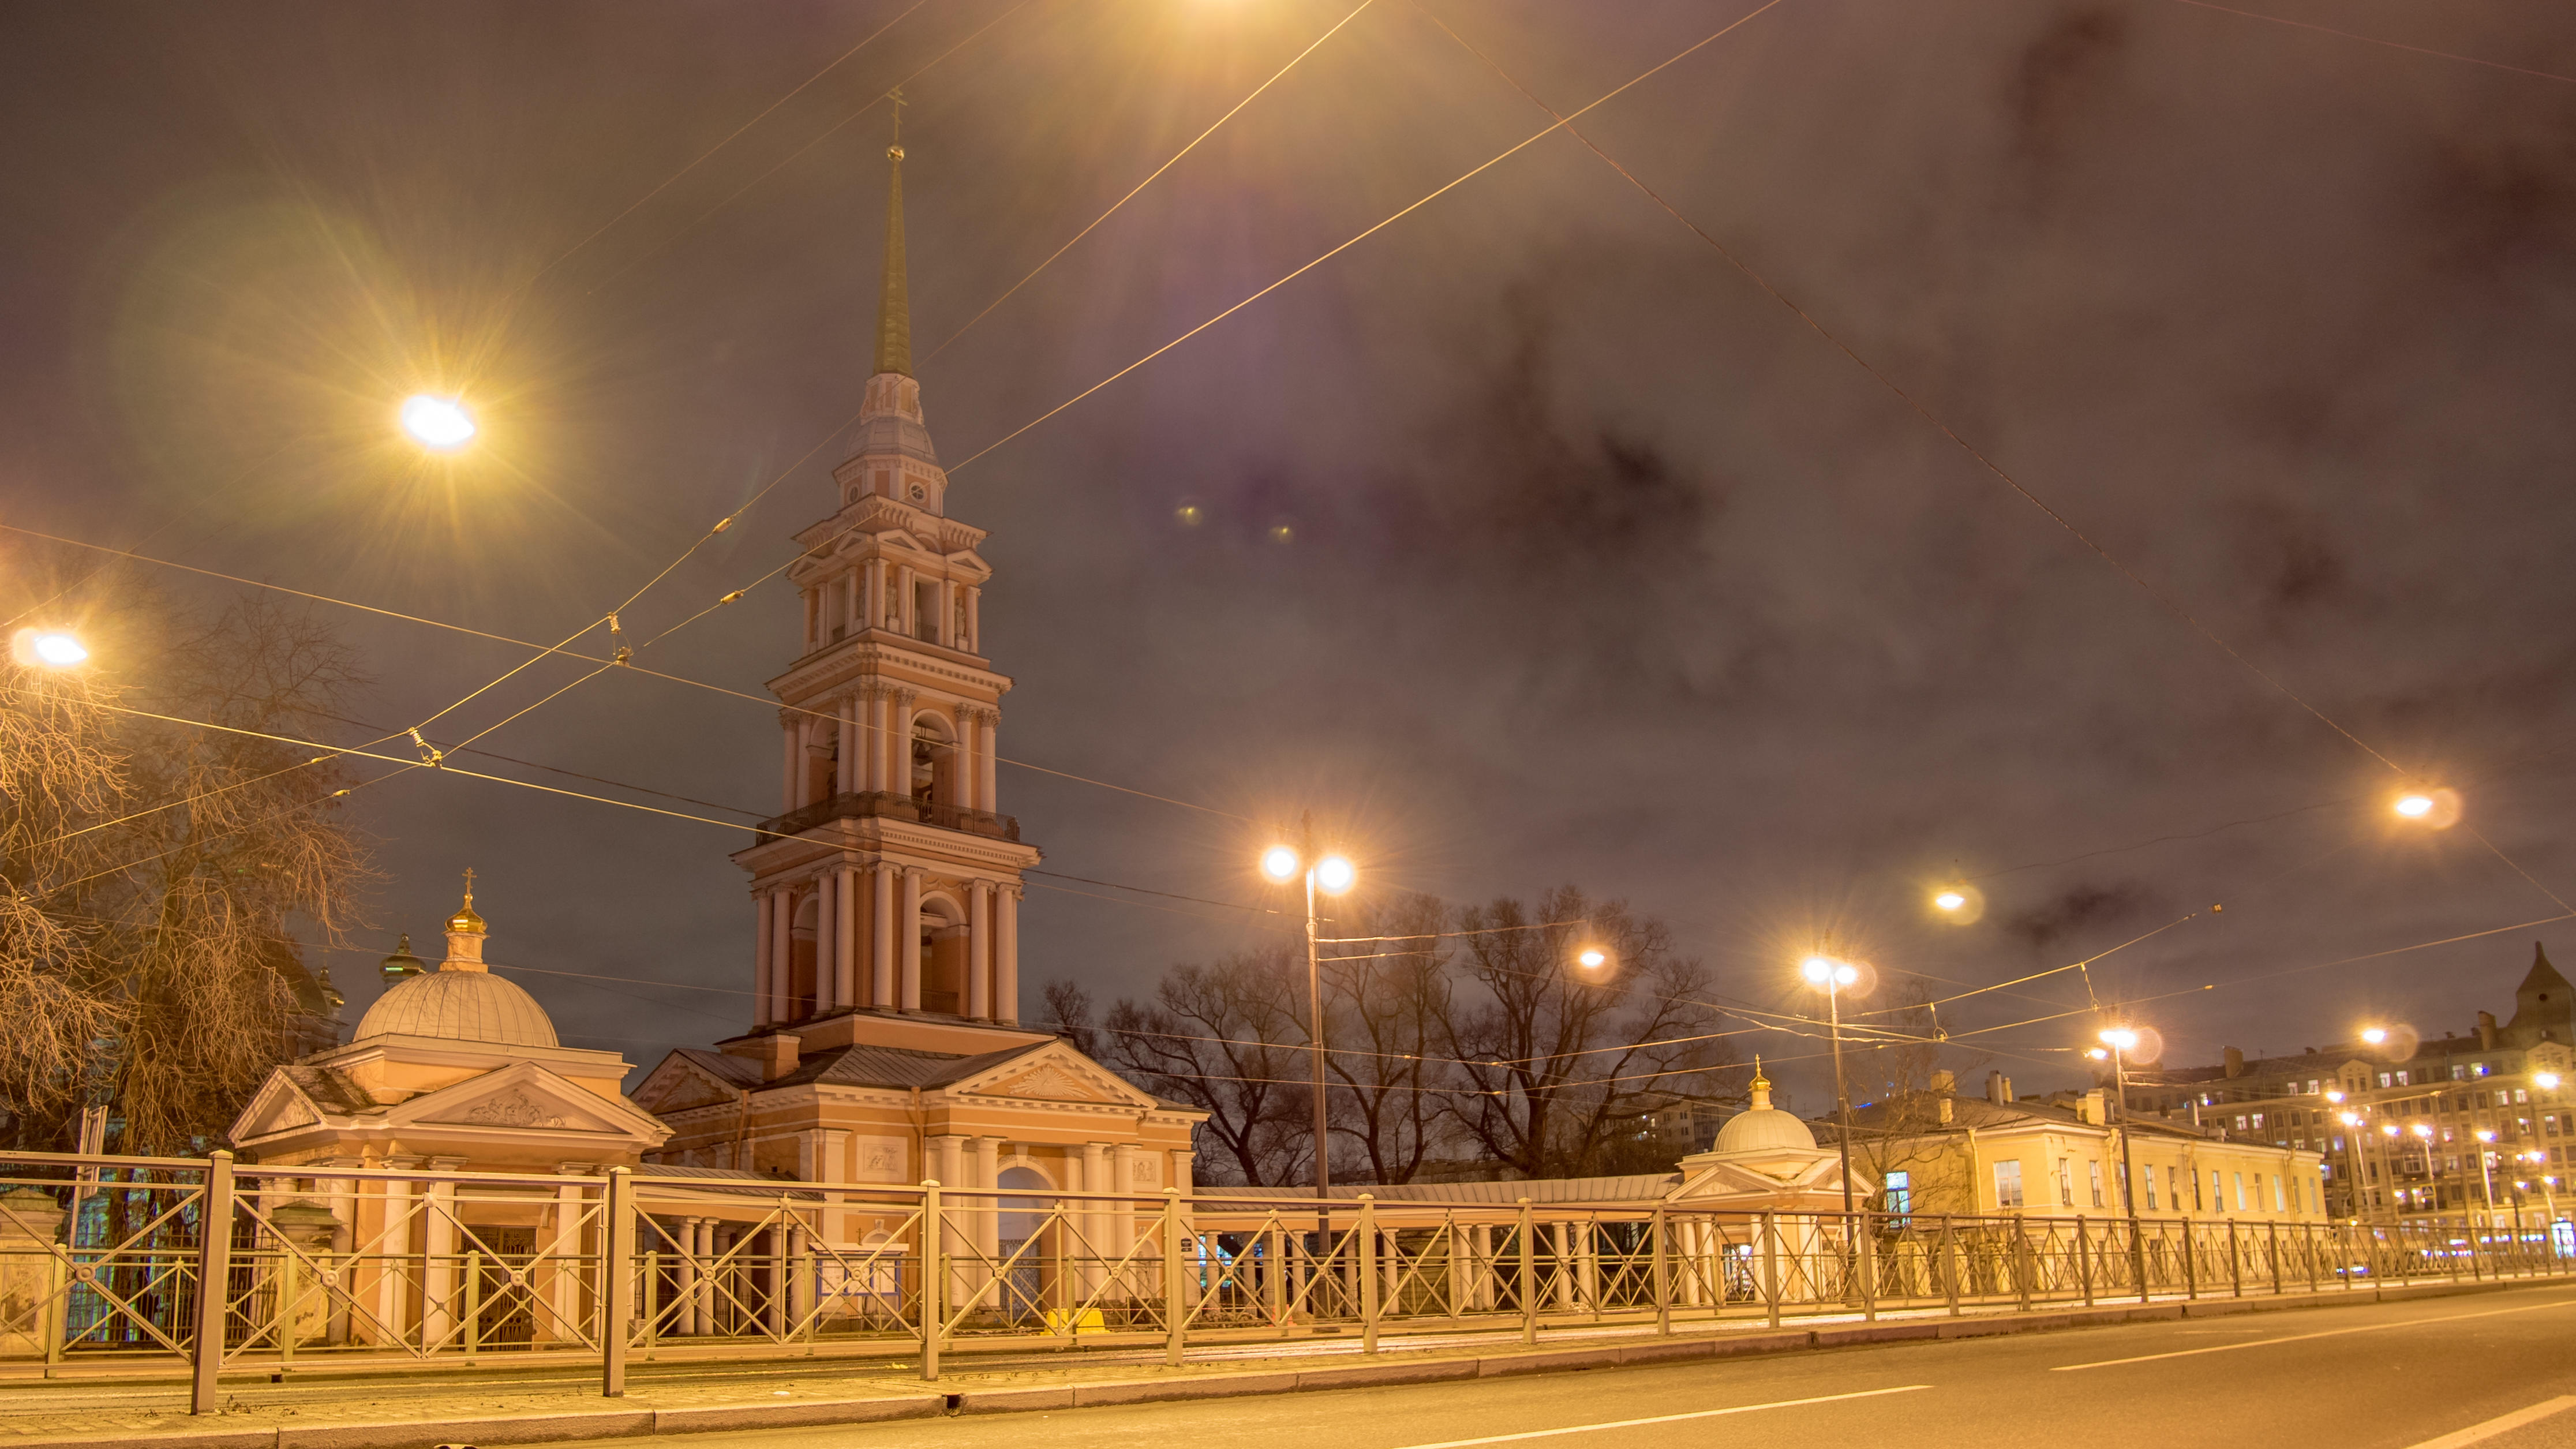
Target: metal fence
[103, 1260]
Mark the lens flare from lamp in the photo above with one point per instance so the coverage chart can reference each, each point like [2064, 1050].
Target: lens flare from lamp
[2097, 1054]
[437, 423]
[1334, 875]
[2374, 1035]
[1280, 863]
[2121, 1037]
[52, 648]
[1818, 969]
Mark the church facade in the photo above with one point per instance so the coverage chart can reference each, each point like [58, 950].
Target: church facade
[885, 1044]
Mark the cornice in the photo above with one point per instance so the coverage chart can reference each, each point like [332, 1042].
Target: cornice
[868, 840]
[874, 650]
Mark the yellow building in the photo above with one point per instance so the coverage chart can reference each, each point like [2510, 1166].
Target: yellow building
[1936, 1151]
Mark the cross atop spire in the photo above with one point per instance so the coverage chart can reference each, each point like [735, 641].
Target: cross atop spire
[894, 307]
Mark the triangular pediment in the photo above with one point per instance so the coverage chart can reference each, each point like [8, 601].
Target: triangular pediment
[1054, 1073]
[679, 1083]
[525, 1097]
[279, 1106]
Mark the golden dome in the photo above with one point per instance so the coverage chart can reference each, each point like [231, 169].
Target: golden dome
[465, 921]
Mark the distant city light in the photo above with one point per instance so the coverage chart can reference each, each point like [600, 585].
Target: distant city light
[438, 423]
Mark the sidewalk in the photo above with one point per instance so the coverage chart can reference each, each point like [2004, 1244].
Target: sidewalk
[415, 1411]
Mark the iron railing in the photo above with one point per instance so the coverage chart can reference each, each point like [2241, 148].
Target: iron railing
[103, 1260]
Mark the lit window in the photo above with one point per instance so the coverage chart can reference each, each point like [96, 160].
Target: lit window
[2096, 1169]
[2278, 1205]
[1900, 1192]
[2482, 1069]
[2217, 1202]
[2459, 1074]
[2401, 1079]
[2520, 1096]
[2240, 1124]
[2008, 1184]
[2065, 1182]
[2258, 1121]
[2383, 1079]
[2240, 1189]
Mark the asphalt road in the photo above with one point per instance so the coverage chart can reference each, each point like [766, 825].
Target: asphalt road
[2498, 1371]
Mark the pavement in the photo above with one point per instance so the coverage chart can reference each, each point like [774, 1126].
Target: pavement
[2402, 1372]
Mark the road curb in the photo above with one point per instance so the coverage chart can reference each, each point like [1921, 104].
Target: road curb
[614, 1423]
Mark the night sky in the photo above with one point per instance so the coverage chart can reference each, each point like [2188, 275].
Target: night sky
[1601, 566]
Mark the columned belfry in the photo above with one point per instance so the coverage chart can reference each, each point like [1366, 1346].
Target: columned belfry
[889, 883]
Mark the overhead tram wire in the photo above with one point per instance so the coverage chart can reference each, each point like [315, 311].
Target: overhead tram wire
[2161, 599]
[826, 134]
[731, 137]
[1462, 179]
[1213, 128]
[2376, 40]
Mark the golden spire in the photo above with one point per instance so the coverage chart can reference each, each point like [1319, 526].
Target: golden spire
[1761, 1087]
[894, 308]
[465, 922]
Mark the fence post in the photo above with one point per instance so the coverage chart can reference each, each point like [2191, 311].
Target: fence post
[1866, 1258]
[2273, 1231]
[652, 1302]
[2235, 1264]
[1771, 1265]
[1274, 1280]
[933, 1268]
[1369, 1294]
[2190, 1263]
[2083, 1260]
[214, 1280]
[1950, 1263]
[1172, 1276]
[57, 1317]
[616, 1278]
[1663, 1276]
[473, 1304]
[2025, 1268]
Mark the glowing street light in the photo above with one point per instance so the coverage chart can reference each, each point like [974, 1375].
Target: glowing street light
[1833, 974]
[1591, 958]
[1333, 874]
[440, 424]
[2123, 1040]
[1949, 900]
[50, 648]
[2545, 1081]
[2414, 807]
[2374, 1035]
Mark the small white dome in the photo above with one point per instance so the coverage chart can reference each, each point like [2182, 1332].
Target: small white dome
[1764, 1129]
[460, 1006]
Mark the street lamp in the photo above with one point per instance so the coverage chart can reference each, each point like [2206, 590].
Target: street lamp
[2122, 1041]
[2486, 1174]
[440, 424]
[2388, 1134]
[1333, 875]
[1833, 975]
[1591, 958]
[47, 648]
[2374, 1035]
[2432, 1169]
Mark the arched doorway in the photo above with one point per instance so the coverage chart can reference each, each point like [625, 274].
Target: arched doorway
[1021, 1221]
[943, 955]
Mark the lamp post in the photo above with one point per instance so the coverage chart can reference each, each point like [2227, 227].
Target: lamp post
[2388, 1161]
[2486, 1174]
[1332, 875]
[2432, 1168]
[1833, 975]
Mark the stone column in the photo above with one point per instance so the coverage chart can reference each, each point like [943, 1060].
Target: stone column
[800, 1277]
[827, 936]
[1122, 1214]
[988, 724]
[898, 742]
[845, 936]
[1006, 954]
[948, 1164]
[872, 586]
[871, 766]
[392, 1256]
[1093, 1250]
[907, 926]
[966, 767]
[762, 903]
[988, 1218]
[563, 1272]
[974, 641]
[846, 712]
[788, 762]
[782, 953]
[439, 1297]
[944, 627]
[702, 1239]
[881, 956]
[979, 950]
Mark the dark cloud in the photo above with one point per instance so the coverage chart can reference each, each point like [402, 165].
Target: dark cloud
[1601, 566]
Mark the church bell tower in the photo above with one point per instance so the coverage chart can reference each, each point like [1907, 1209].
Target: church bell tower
[888, 885]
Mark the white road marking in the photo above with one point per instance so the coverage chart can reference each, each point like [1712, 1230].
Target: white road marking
[2501, 1423]
[1664, 1418]
[2324, 1333]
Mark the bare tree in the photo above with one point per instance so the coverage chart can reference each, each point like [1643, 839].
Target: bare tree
[1557, 1053]
[163, 847]
[1387, 988]
[1904, 1095]
[1225, 1037]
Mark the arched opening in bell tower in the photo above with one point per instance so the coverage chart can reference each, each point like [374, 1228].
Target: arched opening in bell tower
[943, 955]
[934, 761]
